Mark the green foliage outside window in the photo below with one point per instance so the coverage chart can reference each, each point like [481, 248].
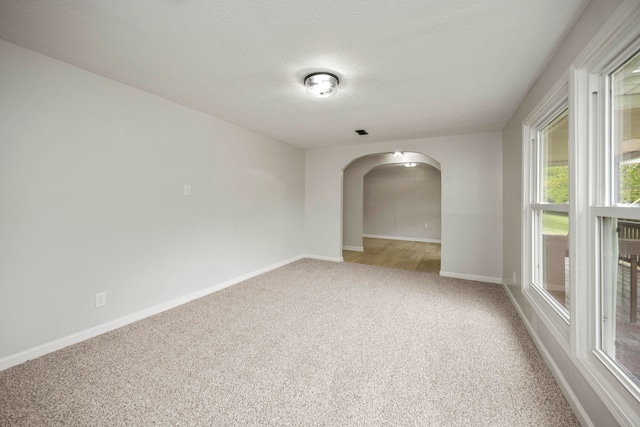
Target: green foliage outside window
[557, 184]
[555, 223]
[629, 183]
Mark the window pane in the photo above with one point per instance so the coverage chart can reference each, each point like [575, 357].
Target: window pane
[551, 229]
[553, 255]
[620, 327]
[554, 152]
[625, 88]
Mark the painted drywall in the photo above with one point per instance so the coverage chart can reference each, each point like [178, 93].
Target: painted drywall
[471, 176]
[593, 18]
[400, 201]
[92, 176]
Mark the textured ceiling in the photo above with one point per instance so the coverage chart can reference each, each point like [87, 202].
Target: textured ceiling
[408, 69]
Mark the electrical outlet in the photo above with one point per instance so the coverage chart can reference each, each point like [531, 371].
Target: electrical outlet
[426, 226]
[101, 299]
[514, 277]
[187, 189]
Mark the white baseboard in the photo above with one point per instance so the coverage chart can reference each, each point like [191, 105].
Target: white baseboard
[406, 239]
[41, 350]
[496, 280]
[578, 409]
[353, 248]
[323, 258]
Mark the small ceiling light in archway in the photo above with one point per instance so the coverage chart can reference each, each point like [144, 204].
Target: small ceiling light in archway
[321, 85]
[397, 154]
[409, 165]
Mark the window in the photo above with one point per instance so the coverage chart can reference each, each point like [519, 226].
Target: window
[550, 225]
[607, 219]
[581, 183]
[625, 131]
[547, 221]
[618, 216]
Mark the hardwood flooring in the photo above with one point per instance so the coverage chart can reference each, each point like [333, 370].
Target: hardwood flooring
[416, 256]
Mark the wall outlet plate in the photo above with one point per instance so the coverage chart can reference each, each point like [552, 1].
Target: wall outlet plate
[101, 299]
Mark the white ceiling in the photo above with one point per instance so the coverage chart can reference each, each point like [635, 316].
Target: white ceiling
[408, 69]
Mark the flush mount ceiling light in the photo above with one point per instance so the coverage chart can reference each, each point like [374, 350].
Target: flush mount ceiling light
[321, 85]
[409, 165]
[397, 154]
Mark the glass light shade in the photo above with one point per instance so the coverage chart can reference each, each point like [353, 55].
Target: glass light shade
[321, 85]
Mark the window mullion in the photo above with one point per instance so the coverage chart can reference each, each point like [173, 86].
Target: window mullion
[551, 207]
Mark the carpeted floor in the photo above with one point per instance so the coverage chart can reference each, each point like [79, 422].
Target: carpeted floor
[312, 343]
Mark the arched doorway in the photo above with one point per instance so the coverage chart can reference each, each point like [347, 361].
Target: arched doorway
[392, 211]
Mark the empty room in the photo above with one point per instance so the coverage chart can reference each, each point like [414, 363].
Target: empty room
[326, 213]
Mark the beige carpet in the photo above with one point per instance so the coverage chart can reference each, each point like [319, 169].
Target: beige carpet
[311, 344]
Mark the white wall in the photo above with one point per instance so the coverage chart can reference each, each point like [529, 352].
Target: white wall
[399, 201]
[471, 199]
[593, 18]
[91, 191]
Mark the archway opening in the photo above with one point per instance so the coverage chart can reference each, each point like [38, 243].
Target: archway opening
[392, 211]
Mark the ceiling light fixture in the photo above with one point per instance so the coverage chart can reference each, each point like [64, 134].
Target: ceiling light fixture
[321, 85]
[409, 165]
[397, 154]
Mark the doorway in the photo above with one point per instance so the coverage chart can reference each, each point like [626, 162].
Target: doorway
[392, 212]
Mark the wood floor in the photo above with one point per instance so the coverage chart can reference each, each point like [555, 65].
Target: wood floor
[416, 256]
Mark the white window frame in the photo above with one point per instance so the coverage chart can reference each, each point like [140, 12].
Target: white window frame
[553, 314]
[591, 170]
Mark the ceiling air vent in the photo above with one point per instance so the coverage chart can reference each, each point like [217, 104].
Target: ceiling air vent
[362, 132]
